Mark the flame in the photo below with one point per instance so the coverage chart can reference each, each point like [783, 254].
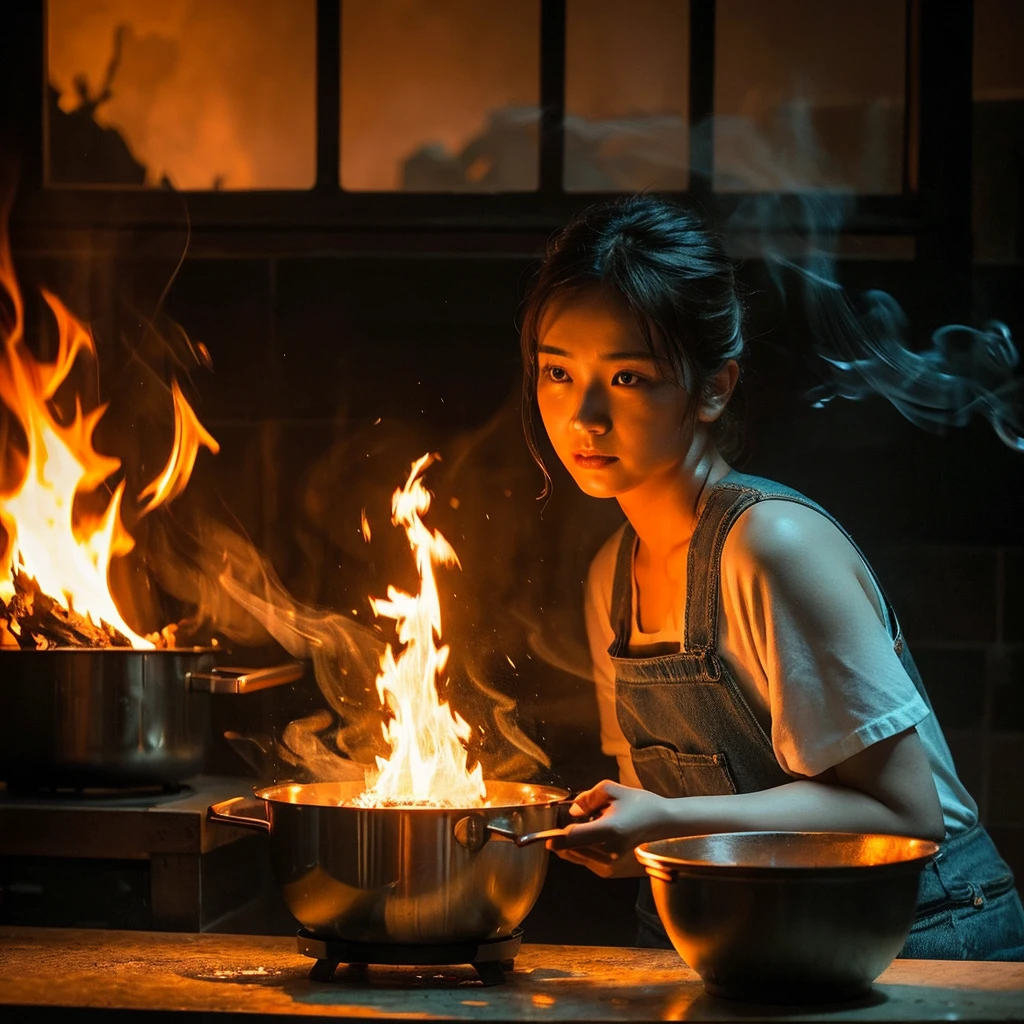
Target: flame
[427, 738]
[189, 434]
[66, 551]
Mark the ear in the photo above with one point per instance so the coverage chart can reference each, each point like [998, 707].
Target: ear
[718, 392]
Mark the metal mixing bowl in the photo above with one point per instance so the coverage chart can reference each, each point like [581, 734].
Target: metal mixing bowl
[787, 917]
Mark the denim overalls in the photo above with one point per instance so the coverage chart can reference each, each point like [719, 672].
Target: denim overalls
[692, 733]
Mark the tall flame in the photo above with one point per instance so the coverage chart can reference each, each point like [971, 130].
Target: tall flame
[189, 434]
[66, 552]
[427, 738]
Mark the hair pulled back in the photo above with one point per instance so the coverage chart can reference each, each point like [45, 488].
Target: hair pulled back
[672, 272]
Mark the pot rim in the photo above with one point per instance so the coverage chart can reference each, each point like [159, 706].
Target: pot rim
[113, 650]
[547, 795]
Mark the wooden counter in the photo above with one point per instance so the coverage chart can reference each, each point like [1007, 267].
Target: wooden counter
[121, 975]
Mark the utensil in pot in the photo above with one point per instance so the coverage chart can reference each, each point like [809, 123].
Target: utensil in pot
[787, 917]
[400, 874]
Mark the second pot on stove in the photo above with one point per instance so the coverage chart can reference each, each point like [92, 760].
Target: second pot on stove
[79, 716]
[402, 874]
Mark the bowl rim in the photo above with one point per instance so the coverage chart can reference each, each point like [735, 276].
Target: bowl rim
[662, 863]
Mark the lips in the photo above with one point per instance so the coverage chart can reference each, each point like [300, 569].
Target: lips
[593, 460]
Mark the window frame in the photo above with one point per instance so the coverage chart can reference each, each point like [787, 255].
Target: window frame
[934, 168]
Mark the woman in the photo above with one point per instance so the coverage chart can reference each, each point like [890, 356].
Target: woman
[750, 672]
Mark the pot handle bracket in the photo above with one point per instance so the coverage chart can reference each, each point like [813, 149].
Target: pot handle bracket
[244, 680]
[474, 830]
[244, 812]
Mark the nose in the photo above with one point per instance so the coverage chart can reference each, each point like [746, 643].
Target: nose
[592, 414]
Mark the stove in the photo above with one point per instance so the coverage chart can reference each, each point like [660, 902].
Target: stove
[136, 859]
[490, 957]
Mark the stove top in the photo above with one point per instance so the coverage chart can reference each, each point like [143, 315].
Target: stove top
[92, 796]
[135, 858]
[122, 824]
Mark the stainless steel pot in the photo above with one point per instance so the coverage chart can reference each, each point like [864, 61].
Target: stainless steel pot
[83, 716]
[787, 917]
[403, 875]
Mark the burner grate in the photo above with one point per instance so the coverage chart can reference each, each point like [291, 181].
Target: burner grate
[491, 957]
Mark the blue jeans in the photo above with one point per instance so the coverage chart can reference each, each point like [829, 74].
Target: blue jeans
[967, 906]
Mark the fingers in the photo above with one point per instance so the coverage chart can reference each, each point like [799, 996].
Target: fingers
[592, 800]
[591, 858]
[587, 833]
[585, 855]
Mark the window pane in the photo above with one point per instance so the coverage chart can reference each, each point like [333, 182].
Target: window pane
[998, 130]
[440, 95]
[812, 95]
[626, 95]
[203, 93]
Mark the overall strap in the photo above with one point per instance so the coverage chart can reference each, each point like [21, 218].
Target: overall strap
[622, 592]
[704, 564]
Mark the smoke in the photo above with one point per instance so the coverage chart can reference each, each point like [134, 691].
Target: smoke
[862, 341]
[491, 621]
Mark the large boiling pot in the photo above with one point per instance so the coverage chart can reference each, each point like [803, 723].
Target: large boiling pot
[404, 874]
[83, 716]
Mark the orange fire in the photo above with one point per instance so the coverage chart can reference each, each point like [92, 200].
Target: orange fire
[427, 738]
[64, 550]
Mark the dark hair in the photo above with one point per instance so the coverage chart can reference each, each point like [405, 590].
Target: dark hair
[674, 275]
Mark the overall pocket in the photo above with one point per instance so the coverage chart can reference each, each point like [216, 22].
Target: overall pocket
[669, 773]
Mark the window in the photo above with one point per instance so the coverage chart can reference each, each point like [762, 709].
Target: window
[998, 130]
[197, 94]
[370, 99]
[626, 95]
[809, 94]
[440, 95]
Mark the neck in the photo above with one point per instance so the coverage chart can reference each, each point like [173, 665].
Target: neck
[664, 510]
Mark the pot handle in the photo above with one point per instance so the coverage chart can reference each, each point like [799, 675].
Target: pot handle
[243, 680]
[231, 812]
[524, 839]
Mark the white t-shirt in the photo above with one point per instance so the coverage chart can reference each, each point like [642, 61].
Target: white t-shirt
[822, 688]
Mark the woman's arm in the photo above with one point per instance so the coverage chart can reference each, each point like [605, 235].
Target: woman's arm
[886, 788]
[842, 706]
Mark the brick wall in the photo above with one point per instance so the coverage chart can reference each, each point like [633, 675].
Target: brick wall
[310, 350]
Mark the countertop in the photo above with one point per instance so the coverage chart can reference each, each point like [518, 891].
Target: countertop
[128, 975]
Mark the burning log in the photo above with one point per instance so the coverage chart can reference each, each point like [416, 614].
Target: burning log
[38, 622]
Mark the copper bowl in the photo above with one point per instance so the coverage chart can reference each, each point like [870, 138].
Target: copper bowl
[787, 917]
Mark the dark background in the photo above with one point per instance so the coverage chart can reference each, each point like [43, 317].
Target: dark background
[350, 332]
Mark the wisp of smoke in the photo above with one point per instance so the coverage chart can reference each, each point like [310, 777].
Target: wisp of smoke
[863, 341]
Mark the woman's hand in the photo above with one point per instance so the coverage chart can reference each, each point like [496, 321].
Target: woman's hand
[624, 818]
[602, 863]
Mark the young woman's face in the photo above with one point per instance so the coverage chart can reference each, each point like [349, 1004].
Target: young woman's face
[616, 416]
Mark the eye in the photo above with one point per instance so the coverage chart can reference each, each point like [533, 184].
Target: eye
[556, 374]
[627, 379]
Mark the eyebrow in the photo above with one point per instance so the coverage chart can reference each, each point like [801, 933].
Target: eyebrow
[642, 354]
